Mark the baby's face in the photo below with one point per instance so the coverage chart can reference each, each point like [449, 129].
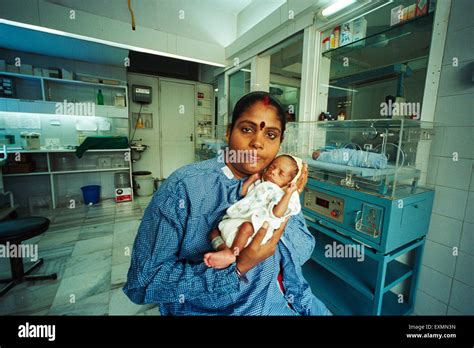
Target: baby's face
[280, 171]
[316, 154]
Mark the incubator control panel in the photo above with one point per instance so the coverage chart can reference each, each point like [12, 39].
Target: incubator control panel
[327, 205]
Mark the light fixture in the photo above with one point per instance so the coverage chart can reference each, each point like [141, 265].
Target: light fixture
[336, 7]
[106, 42]
[341, 88]
[372, 10]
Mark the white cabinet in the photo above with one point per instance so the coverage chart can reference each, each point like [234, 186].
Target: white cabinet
[204, 115]
[57, 176]
[38, 94]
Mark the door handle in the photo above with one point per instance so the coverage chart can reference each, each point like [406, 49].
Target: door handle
[191, 137]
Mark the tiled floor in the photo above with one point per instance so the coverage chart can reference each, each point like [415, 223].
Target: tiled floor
[89, 248]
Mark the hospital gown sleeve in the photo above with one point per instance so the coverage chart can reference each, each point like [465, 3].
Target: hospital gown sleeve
[300, 237]
[157, 274]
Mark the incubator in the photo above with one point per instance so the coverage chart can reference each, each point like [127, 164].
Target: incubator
[388, 158]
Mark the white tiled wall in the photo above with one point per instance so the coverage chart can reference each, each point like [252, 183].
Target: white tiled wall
[447, 278]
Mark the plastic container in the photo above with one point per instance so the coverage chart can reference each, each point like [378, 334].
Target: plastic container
[91, 194]
[144, 183]
[65, 162]
[122, 180]
[30, 140]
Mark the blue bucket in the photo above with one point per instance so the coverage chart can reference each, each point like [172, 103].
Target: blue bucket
[91, 194]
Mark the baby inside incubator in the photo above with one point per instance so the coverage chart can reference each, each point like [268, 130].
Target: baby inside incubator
[270, 200]
[352, 158]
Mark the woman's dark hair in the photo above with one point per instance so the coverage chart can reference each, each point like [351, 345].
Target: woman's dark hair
[251, 98]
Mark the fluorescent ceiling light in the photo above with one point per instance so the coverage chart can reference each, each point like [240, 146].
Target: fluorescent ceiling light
[336, 7]
[246, 70]
[372, 10]
[341, 88]
[106, 42]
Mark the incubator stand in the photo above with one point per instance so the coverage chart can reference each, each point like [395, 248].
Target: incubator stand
[369, 210]
[404, 143]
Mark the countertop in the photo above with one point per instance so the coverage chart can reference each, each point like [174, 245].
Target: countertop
[44, 150]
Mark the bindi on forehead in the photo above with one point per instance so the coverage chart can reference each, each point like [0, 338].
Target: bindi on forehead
[266, 100]
[262, 125]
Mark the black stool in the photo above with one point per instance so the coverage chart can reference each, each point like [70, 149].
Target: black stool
[14, 232]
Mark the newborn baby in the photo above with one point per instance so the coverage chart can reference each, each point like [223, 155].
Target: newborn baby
[271, 199]
[352, 158]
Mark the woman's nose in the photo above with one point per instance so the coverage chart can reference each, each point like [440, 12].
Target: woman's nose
[257, 142]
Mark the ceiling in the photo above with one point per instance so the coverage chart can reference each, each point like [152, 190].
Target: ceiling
[59, 46]
[287, 58]
[119, 10]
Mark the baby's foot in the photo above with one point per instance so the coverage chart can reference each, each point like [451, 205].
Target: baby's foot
[220, 259]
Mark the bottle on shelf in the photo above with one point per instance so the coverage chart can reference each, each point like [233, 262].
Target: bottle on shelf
[100, 98]
[140, 123]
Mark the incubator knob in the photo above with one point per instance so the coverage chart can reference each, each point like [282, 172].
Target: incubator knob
[335, 213]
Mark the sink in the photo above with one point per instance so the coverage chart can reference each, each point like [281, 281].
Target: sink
[139, 147]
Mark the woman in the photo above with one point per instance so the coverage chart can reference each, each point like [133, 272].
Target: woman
[167, 266]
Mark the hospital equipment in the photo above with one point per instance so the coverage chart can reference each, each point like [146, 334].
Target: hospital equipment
[370, 224]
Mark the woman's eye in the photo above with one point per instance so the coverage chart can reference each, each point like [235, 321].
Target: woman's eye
[271, 135]
[246, 129]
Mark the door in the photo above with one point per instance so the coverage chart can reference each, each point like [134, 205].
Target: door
[177, 125]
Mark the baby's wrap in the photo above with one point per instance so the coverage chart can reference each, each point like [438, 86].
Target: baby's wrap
[354, 158]
[257, 207]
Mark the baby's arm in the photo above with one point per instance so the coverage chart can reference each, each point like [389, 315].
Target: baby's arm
[250, 180]
[280, 209]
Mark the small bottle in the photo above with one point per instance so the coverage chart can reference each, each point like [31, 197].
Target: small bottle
[100, 98]
[140, 123]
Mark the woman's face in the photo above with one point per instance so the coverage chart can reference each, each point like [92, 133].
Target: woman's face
[257, 131]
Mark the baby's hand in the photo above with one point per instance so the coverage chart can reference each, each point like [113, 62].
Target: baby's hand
[291, 188]
[252, 178]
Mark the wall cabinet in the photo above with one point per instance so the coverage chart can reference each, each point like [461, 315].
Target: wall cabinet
[55, 177]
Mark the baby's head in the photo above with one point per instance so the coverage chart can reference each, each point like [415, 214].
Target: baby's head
[281, 171]
[316, 154]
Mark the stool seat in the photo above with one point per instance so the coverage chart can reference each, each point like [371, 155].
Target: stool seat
[21, 229]
[14, 232]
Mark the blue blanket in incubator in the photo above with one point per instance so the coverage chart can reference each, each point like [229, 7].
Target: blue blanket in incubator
[354, 158]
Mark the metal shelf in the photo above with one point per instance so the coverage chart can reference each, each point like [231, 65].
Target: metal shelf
[342, 299]
[45, 78]
[25, 174]
[54, 174]
[361, 275]
[90, 170]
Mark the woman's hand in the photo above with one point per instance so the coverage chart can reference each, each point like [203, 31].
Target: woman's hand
[255, 252]
[303, 179]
